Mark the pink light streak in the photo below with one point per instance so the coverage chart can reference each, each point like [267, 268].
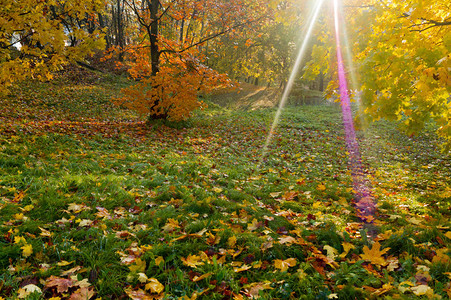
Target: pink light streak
[363, 199]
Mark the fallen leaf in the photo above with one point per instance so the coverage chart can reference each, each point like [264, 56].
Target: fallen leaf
[199, 278]
[217, 190]
[275, 194]
[374, 255]
[283, 265]
[142, 277]
[242, 268]
[171, 225]
[138, 266]
[331, 252]
[346, 248]
[289, 196]
[64, 263]
[83, 293]
[76, 208]
[192, 261]
[321, 187]
[231, 242]
[159, 260]
[27, 250]
[154, 286]
[138, 294]
[45, 232]
[62, 284]
[85, 223]
[422, 290]
[287, 240]
[213, 239]
[393, 264]
[103, 213]
[25, 291]
[254, 288]
[254, 225]
[70, 271]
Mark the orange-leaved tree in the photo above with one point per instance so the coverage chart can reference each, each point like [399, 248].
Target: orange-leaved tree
[165, 58]
[172, 93]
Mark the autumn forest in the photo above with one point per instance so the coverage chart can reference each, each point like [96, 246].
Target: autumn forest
[225, 149]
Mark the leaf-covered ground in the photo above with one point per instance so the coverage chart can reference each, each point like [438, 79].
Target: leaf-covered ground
[96, 204]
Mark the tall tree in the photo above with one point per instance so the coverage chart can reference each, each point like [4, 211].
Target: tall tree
[401, 53]
[168, 63]
[34, 37]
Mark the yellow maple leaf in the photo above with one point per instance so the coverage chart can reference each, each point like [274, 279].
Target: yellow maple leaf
[171, 225]
[448, 234]
[142, 277]
[27, 250]
[192, 261]
[159, 260]
[138, 266]
[154, 286]
[283, 265]
[217, 190]
[374, 255]
[242, 268]
[422, 290]
[231, 242]
[254, 288]
[199, 278]
[346, 248]
[253, 226]
[27, 290]
[321, 187]
[331, 252]
[442, 256]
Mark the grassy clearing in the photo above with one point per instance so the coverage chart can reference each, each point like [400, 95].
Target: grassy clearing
[95, 203]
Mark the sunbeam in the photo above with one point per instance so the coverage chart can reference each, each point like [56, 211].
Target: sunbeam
[294, 72]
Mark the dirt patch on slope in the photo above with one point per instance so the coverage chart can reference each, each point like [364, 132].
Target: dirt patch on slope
[251, 97]
[247, 97]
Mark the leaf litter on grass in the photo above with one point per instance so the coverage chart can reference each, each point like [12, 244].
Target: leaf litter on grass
[107, 208]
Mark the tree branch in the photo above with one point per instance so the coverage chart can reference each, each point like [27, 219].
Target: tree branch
[208, 38]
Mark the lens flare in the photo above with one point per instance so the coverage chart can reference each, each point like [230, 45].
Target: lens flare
[294, 72]
[363, 198]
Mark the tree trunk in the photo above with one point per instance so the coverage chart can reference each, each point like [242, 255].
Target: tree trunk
[321, 82]
[154, 51]
[120, 30]
[182, 27]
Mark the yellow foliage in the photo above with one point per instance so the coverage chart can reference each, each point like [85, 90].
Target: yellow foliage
[33, 40]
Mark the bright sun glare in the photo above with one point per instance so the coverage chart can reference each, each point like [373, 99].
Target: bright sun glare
[364, 200]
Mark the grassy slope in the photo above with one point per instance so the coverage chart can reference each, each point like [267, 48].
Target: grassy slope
[115, 202]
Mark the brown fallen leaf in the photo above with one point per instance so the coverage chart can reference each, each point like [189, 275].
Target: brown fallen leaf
[83, 293]
[62, 284]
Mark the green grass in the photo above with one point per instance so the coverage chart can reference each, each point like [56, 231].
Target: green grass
[106, 197]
